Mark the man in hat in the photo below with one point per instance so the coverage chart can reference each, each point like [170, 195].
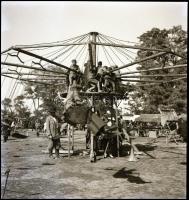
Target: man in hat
[109, 79]
[53, 133]
[74, 82]
[116, 77]
[37, 127]
[100, 72]
[5, 128]
[74, 77]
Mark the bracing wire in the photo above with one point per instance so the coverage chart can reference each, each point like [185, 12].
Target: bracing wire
[109, 54]
[63, 42]
[81, 51]
[120, 50]
[72, 50]
[116, 54]
[69, 48]
[55, 51]
[117, 42]
[121, 40]
[105, 53]
[7, 71]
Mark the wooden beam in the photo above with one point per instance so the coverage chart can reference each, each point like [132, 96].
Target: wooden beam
[137, 47]
[148, 81]
[155, 69]
[31, 67]
[52, 79]
[139, 61]
[178, 79]
[157, 75]
[45, 59]
[27, 80]
[32, 74]
[47, 45]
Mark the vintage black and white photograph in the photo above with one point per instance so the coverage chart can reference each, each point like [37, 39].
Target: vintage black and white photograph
[93, 100]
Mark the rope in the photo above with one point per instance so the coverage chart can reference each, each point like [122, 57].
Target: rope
[105, 53]
[7, 71]
[119, 39]
[80, 52]
[63, 42]
[16, 84]
[108, 53]
[53, 52]
[127, 56]
[116, 54]
[97, 52]
[120, 44]
[163, 82]
[85, 59]
[69, 48]
[72, 50]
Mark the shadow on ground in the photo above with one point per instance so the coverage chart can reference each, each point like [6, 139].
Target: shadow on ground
[131, 175]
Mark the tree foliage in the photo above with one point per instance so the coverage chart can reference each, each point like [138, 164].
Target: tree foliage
[46, 94]
[170, 93]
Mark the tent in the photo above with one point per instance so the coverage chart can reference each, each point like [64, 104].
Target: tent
[168, 115]
[149, 118]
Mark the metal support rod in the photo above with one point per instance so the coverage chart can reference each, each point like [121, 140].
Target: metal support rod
[72, 138]
[42, 58]
[92, 151]
[22, 74]
[30, 67]
[94, 34]
[69, 140]
[6, 50]
[137, 47]
[116, 112]
[90, 55]
[7, 175]
[155, 69]
[50, 79]
[139, 61]
[44, 45]
[157, 75]
[148, 81]
[21, 79]
[172, 80]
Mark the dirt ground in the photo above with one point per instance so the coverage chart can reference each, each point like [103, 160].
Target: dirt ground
[159, 173]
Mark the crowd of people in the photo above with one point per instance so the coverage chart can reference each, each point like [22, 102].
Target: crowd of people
[99, 78]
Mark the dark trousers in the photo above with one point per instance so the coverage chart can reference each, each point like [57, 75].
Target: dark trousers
[54, 143]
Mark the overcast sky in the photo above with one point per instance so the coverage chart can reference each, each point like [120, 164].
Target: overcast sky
[38, 22]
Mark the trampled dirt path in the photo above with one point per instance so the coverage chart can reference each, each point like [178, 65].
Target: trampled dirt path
[159, 173]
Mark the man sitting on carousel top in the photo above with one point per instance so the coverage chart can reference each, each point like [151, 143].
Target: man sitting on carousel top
[117, 77]
[91, 76]
[99, 76]
[109, 80]
[74, 77]
[74, 85]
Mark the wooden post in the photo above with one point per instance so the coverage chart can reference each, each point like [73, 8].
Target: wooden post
[92, 155]
[72, 138]
[132, 157]
[117, 126]
[92, 152]
[68, 141]
[94, 34]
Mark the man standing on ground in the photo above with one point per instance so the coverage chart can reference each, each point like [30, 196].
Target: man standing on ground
[53, 133]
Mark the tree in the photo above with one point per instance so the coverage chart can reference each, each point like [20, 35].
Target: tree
[174, 93]
[7, 109]
[46, 94]
[22, 111]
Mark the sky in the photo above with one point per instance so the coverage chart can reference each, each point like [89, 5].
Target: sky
[37, 22]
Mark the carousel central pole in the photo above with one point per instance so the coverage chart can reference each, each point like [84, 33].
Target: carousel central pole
[93, 39]
[92, 59]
